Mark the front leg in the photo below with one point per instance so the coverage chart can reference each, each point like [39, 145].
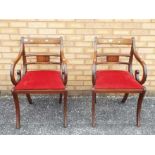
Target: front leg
[139, 106]
[17, 108]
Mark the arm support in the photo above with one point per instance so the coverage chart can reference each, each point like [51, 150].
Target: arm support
[94, 69]
[142, 63]
[12, 70]
[64, 72]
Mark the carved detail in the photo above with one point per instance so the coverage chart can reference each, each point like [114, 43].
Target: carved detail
[117, 41]
[112, 58]
[43, 58]
[42, 41]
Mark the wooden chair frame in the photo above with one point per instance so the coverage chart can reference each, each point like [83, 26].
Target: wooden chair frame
[114, 60]
[41, 59]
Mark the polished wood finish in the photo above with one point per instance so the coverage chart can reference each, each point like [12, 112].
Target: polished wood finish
[139, 106]
[43, 58]
[40, 59]
[93, 108]
[17, 108]
[125, 63]
[40, 54]
[35, 63]
[65, 109]
[125, 98]
[116, 41]
[142, 63]
[60, 99]
[41, 41]
[112, 54]
[29, 98]
[114, 59]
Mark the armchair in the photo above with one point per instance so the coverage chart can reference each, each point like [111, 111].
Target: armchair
[117, 81]
[39, 81]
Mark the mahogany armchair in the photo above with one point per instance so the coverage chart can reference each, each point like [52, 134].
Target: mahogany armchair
[117, 81]
[39, 81]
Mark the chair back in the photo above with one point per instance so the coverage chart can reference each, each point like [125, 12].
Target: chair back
[33, 58]
[113, 57]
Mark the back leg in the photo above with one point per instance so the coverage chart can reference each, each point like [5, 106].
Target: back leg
[60, 99]
[93, 109]
[125, 98]
[65, 109]
[95, 98]
[139, 107]
[29, 98]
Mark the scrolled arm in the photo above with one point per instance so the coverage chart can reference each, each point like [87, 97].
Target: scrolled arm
[94, 69]
[64, 71]
[12, 70]
[142, 63]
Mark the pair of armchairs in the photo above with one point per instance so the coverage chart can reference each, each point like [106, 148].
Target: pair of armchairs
[54, 81]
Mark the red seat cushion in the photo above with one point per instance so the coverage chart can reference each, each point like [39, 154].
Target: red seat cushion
[41, 80]
[116, 79]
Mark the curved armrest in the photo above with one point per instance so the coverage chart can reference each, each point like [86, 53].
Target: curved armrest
[64, 71]
[94, 69]
[12, 70]
[63, 59]
[142, 63]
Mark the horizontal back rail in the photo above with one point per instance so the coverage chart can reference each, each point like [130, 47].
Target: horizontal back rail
[41, 40]
[115, 41]
[34, 63]
[40, 54]
[112, 54]
[99, 63]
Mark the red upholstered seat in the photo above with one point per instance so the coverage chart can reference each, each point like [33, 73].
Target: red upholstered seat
[116, 79]
[41, 80]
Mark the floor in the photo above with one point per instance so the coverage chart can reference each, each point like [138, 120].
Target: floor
[45, 116]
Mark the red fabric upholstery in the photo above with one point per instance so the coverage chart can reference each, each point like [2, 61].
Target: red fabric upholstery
[115, 79]
[42, 80]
